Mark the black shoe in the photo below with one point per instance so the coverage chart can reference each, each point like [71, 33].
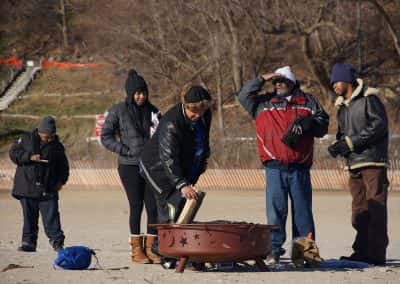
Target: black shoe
[27, 247]
[354, 257]
[58, 246]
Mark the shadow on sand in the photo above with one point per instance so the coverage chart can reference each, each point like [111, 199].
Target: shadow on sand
[331, 265]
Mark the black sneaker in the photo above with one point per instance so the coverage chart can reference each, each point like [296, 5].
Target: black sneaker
[58, 246]
[27, 247]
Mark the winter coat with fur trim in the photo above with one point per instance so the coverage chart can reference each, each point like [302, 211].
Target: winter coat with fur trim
[363, 123]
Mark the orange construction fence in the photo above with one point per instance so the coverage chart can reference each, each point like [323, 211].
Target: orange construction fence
[46, 64]
[12, 61]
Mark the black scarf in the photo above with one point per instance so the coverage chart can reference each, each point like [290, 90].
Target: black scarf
[141, 116]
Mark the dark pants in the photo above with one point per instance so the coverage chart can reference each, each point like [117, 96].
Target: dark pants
[296, 185]
[137, 193]
[48, 208]
[170, 207]
[369, 189]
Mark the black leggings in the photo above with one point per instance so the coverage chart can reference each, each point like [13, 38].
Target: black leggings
[137, 192]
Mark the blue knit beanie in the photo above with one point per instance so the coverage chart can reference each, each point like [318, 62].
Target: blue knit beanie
[342, 72]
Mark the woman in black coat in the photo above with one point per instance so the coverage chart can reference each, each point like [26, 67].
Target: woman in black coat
[175, 157]
[128, 126]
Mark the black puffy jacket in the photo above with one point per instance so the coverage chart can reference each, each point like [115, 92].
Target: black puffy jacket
[167, 159]
[36, 179]
[363, 124]
[126, 131]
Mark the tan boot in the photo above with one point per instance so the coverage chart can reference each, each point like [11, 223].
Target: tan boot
[150, 239]
[137, 253]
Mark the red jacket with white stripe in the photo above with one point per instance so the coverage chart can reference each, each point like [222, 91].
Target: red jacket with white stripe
[274, 115]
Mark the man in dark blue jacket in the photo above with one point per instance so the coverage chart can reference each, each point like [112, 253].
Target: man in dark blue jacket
[42, 170]
[362, 139]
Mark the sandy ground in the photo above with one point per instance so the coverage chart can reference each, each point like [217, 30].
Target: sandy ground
[99, 219]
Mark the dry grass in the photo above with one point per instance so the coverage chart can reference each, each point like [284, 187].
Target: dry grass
[74, 80]
[59, 106]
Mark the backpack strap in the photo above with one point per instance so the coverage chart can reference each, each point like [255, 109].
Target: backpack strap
[97, 266]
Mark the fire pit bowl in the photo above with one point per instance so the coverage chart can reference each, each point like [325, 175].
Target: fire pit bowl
[213, 242]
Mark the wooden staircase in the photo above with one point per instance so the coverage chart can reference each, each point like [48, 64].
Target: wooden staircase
[18, 86]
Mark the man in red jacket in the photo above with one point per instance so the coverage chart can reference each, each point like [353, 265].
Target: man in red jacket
[286, 120]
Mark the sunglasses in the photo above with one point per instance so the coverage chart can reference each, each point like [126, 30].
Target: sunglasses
[279, 80]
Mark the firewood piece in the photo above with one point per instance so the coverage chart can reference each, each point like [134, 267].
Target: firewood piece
[190, 210]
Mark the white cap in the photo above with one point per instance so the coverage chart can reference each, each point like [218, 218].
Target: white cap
[287, 73]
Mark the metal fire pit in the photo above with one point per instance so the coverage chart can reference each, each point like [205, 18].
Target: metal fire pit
[213, 242]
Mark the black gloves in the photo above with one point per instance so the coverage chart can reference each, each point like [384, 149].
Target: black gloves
[301, 125]
[305, 122]
[340, 147]
[290, 139]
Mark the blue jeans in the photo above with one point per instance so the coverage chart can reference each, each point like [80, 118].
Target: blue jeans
[296, 184]
[48, 208]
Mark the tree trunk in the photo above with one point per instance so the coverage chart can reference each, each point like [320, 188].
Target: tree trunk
[64, 24]
[393, 32]
[317, 68]
[159, 27]
[216, 54]
[359, 36]
[235, 52]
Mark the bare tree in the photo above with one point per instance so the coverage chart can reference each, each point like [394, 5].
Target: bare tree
[64, 30]
[235, 48]
[392, 30]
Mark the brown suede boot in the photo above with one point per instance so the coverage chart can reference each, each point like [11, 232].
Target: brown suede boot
[137, 253]
[150, 239]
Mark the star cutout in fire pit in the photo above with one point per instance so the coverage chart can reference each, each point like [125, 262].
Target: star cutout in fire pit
[197, 236]
[183, 241]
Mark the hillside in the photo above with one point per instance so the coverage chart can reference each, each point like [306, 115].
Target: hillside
[218, 43]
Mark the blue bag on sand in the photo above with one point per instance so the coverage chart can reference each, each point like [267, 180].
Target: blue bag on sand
[74, 258]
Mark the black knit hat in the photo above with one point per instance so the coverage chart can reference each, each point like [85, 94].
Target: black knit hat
[196, 94]
[48, 125]
[135, 83]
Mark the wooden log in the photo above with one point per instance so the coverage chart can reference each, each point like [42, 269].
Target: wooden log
[191, 207]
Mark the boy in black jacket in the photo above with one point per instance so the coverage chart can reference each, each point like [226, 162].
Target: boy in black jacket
[42, 170]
